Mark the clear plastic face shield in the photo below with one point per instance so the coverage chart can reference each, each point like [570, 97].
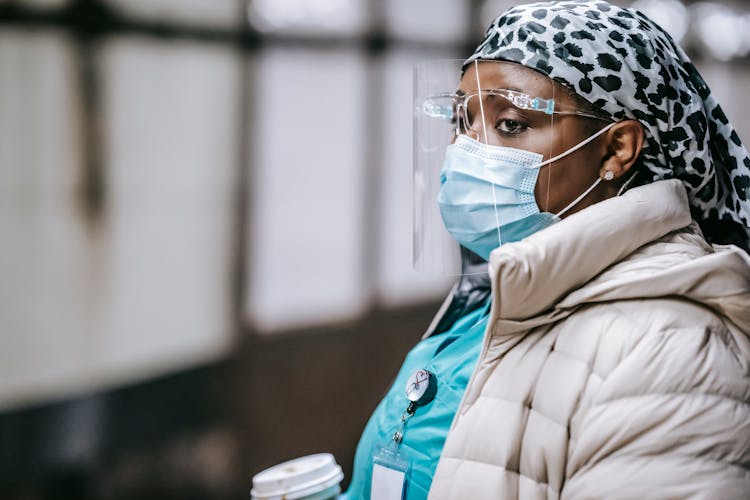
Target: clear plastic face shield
[487, 141]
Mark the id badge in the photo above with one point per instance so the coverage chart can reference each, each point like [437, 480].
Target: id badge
[390, 472]
[390, 465]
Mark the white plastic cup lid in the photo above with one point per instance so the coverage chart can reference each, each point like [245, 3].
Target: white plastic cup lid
[297, 478]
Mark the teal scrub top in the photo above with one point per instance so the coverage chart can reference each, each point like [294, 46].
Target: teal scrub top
[451, 356]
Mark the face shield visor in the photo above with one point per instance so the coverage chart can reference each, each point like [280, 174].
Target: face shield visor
[487, 138]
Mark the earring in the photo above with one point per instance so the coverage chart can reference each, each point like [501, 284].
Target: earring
[609, 175]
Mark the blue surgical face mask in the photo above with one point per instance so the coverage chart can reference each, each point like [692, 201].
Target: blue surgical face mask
[487, 193]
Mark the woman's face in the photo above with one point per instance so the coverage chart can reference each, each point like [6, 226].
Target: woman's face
[559, 182]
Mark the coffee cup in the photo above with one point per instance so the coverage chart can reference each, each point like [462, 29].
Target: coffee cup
[314, 477]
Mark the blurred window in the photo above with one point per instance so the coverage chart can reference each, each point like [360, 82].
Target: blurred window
[197, 13]
[306, 187]
[309, 17]
[433, 21]
[47, 271]
[171, 113]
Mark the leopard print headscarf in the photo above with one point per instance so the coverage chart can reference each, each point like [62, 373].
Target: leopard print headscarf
[628, 67]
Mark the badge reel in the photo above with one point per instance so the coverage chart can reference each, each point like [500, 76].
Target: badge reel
[390, 467]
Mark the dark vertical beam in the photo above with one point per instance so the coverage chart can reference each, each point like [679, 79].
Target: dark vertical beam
[87, 17]
[372, 130]
[91, 188]
[240, 268]
[241, 400]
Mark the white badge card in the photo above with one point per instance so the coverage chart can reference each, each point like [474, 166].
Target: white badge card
[389, 476]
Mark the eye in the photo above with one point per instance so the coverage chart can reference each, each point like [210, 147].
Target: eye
[510, 127]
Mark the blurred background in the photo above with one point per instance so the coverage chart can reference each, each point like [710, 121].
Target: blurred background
[205, 228]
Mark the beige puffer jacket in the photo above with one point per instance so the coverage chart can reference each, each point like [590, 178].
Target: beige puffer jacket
[616, 363]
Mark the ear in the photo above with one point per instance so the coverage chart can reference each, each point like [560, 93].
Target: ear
[624, 142]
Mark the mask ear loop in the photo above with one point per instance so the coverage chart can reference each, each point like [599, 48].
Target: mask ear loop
[484, 131]
[571, 150]
[580, 197]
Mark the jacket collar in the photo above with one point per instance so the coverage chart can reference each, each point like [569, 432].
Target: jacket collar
[534, 275]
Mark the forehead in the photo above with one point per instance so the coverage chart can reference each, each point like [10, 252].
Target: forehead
[514, 76]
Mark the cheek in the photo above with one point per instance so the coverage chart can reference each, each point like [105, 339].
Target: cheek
[558, 182]
[564, 180]
[542, 141]
[548, 187]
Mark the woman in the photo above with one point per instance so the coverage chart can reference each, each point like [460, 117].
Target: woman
[611, 358]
